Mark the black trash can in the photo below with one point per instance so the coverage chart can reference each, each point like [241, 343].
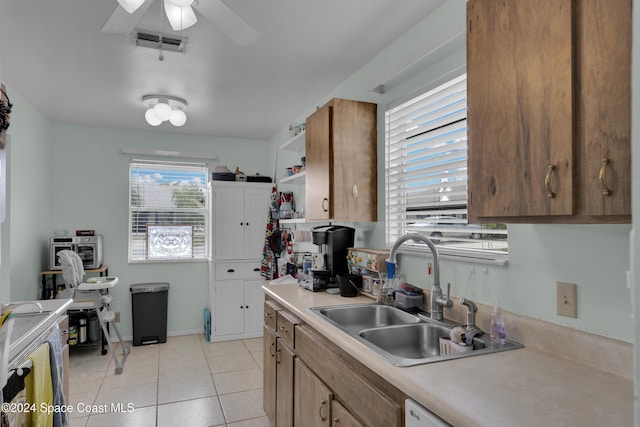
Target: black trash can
[149, 310]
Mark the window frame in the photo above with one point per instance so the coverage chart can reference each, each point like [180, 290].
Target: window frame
[200, 252]
[486, 256]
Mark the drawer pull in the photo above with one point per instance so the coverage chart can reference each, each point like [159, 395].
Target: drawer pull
[325, 203]
[602, 176]
[256, 269]
[547, 181]
[231, 270]
[323, 403]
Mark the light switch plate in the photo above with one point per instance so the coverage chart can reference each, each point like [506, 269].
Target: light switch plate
[567, 299]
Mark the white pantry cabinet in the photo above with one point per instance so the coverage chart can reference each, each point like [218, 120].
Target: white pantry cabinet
[240, 217]
[235, 290]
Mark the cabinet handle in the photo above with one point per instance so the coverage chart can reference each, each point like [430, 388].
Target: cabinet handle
[242, 223]
[602, 176]
[354, 191]
[278, 359]
[267, 315]
[247, 224]
[325, 203]
[322, 404]
[547, 181]
[273, 344]
[231, 270]
[336, 422]
[283, 329]
[256, 269]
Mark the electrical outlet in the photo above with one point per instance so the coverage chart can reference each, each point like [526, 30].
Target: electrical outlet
[567, 299]
[117, 317]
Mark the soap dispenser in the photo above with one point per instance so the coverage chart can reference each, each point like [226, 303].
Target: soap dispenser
[498, 332]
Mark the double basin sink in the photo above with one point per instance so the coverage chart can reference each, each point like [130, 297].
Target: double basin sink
[404, 339]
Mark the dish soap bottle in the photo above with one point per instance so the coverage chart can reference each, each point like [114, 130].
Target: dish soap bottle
[498, 333]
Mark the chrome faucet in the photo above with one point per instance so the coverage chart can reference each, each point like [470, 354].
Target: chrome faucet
[438, 300]
[470, 328]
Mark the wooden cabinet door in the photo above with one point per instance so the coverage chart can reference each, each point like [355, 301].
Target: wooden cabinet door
[312, 401]
[340, 417]
[519, 85]
[284, 384]
[603, 116]
[253, 306]
[228, 311]
[256, 204]
[318, 165]
[229, 223]
[269, 395]
[354, 195]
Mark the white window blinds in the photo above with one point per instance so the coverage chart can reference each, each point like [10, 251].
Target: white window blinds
[168, 211]
[426, 168]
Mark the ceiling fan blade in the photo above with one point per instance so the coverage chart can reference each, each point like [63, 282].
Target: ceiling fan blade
[123, 22]
[179, 18]
[130, 5]
[228, 21]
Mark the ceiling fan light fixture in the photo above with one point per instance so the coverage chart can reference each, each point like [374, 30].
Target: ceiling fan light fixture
[162, 108]
[182, 3]
[130, 5]
[180, 18]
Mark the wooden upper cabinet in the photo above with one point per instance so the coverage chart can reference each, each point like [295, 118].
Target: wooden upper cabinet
[603, 107]
[341, 162]
[519, 107]
[548, 88]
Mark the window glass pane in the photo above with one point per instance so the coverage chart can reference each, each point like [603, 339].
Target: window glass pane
[426, 168]
[167, 194]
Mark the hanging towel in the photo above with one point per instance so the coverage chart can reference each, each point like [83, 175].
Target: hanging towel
[57, 374]
[14, 393]
[269, 262]
[39, 386]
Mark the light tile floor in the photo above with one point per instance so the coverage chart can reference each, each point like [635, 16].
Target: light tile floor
[185, 381]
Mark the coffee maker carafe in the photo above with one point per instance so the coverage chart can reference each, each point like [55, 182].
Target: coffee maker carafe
[331, 260]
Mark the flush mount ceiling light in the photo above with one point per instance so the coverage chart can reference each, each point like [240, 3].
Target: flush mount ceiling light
[161, 108]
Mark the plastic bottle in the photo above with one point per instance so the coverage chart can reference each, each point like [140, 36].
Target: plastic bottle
[498, 332]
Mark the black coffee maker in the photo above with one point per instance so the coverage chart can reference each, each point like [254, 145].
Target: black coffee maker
[331, 260]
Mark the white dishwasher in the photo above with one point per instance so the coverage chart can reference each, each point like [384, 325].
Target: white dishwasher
[417, 416]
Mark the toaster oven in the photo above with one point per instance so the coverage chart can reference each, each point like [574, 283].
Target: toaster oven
[89, 248]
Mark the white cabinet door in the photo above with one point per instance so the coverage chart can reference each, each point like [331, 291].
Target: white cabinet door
[229, 223]
[256, 203]
[228, 311]
[254, 306]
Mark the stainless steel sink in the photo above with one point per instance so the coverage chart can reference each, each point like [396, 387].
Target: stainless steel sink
[402, 338]
[355, 318]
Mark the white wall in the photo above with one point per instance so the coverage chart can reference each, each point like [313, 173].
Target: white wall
[595, 257]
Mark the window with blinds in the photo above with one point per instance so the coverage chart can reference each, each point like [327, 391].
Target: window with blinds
[168, 211]
[426, 168]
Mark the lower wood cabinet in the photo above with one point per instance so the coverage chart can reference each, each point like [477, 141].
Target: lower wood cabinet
[309, 381]
[312, 400]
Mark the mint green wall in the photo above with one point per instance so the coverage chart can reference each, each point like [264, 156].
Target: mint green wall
[28, 205]
[90, 190]
[595, 257]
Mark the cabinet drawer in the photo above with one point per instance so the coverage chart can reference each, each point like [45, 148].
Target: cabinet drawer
[270, 311]
[285, 323]
[237, 270]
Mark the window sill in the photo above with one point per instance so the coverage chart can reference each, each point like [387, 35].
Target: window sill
[471, 256]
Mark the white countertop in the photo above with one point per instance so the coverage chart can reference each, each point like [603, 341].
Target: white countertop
[522, 387]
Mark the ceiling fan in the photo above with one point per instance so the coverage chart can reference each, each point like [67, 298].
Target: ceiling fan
[181, 15]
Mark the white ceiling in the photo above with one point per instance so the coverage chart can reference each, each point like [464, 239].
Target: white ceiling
[54, 54]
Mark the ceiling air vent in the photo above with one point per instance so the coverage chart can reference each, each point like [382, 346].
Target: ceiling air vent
[161, 41]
